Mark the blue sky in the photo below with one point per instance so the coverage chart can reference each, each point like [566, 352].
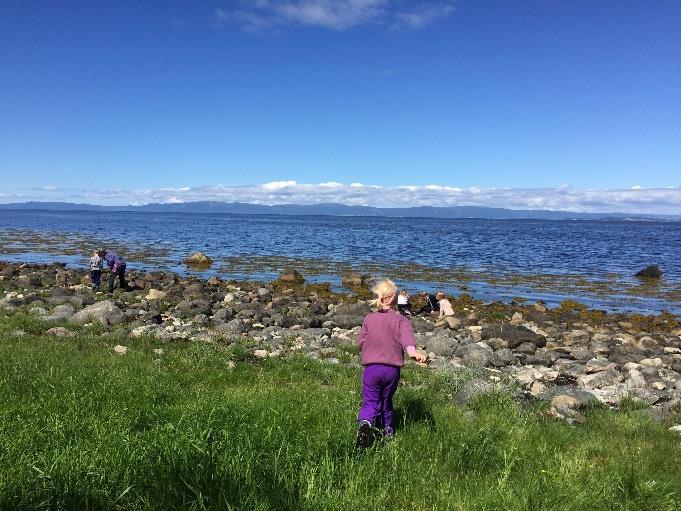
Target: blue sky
[118, 102]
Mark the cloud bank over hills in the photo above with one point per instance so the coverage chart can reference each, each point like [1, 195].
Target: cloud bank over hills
[637, 200]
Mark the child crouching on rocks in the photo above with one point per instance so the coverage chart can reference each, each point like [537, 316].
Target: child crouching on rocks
[96, 265]
[384, 336]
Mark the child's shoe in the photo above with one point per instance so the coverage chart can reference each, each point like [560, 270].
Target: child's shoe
[366, 435]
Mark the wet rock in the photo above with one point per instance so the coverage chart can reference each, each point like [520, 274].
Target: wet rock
[650, 272]
[104, 312]
[198, 260]
[354, 280]
[291, 276]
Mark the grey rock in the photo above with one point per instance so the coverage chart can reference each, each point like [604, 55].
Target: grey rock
[581, 354]
[581, 395]
[59, 331]
[601, 379]
[472, 389]
[475, 355]
[527, 348]
[503, 357]
[223, 315]
[60, 313]
[233, 327]
[104, 312]
[441, 344]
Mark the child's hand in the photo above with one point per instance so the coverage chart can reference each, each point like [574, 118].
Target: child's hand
[421, 357]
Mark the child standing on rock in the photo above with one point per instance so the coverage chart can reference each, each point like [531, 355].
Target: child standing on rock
[96, 265]
[385, 335]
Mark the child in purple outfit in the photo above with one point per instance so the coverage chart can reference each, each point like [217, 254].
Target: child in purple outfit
[385, 335]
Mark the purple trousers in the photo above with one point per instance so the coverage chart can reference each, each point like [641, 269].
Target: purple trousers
[379, 383]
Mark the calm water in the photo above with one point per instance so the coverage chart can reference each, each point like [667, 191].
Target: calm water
[593, 249]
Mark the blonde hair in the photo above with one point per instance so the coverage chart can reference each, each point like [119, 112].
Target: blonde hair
[382, 289]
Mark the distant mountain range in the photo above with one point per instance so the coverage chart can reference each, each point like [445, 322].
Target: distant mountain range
[333, 209]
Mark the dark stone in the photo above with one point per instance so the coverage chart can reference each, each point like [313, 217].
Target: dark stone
[513, 335]
[291, 276]
[650, 272]
[623, 353]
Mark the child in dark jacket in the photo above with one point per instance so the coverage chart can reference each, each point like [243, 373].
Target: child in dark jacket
[385, 335]
[117, 266]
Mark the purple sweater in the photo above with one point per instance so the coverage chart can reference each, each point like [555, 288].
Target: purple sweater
[114, 261]
[384, 335]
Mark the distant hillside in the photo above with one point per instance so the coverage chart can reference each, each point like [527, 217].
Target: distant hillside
[333, 209]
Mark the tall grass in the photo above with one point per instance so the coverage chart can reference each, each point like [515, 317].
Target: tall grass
[84, 428]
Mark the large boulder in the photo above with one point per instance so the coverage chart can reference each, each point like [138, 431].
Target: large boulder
[198, 260]
[650, 272]
[440, 344]
[475, 355]
[513, 335]
[60, 313]
[355, 280]
[292, 276]
[350, 315]
[105, 312]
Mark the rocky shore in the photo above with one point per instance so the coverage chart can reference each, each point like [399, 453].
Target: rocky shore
[569, 356]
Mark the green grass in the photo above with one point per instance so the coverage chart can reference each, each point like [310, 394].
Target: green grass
[83, 428]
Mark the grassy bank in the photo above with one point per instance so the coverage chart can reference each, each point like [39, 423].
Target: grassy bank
[84, 428]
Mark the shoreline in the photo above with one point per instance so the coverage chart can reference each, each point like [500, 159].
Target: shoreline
[537, 352]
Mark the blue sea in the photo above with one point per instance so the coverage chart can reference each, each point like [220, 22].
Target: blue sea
[609, 252]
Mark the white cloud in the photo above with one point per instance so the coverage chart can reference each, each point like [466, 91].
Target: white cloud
[260, 15]
[420, 16]
[629, 200]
